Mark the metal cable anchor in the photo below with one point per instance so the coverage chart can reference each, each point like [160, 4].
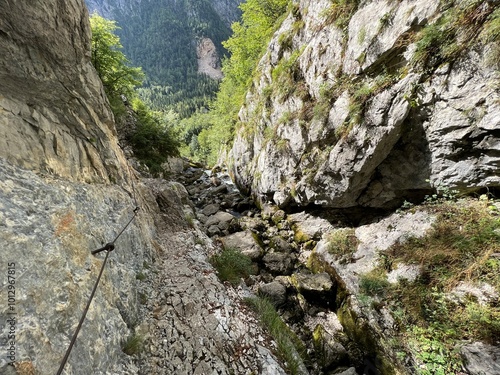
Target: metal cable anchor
[110, 246]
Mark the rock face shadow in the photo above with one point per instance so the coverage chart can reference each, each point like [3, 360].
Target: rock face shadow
[405, 173]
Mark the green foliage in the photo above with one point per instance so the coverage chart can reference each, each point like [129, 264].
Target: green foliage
[117, 76]
[340, 12]
[246, 46]
[161, 39]
[286, 74]
[491, 34]
[454, 32]
[291, 350]
[432, 348]
[232, 265]
[373, 283]
[133, 344]
[153, 141]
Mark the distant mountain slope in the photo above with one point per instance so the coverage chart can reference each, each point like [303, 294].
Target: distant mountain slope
[162, 37]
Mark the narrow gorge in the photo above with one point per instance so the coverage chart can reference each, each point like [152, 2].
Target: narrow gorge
[352, 227]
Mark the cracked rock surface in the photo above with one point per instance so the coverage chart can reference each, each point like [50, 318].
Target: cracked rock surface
[197, 325]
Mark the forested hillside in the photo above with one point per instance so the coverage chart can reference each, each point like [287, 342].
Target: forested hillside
[161, 36]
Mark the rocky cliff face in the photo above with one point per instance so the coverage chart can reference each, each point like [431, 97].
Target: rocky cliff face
[66, 189]
[346, 112]
[57, 121]
[58, 156]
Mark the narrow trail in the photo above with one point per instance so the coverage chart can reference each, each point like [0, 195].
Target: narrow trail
[197, 325]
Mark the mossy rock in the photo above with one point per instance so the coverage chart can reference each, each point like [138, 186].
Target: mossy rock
[300, 237]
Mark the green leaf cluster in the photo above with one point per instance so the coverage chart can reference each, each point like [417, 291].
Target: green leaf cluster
[113, 67]
[152, 140]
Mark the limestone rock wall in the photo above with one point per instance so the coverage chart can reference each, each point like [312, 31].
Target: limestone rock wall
[58, 156]
[67, 189]
[54, 115]
[340, 116]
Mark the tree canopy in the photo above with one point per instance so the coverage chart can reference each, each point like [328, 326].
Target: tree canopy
[113, 67]
[152, 140]
[247, 45]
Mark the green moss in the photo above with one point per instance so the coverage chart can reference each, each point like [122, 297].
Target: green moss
[300, 237]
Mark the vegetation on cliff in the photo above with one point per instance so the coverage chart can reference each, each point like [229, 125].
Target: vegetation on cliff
[152, 138]
[207, 134]
[453, 298]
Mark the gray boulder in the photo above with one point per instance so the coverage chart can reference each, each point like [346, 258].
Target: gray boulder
[279, 263]
[481, 359]
[318, 288]
[274, 291]
[247, 242]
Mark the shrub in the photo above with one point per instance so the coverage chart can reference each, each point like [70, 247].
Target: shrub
[153, 141]
[342, 244]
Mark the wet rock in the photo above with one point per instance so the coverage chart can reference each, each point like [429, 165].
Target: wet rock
[246, 242]
[481, 358]
[274, 291]
[279, 263]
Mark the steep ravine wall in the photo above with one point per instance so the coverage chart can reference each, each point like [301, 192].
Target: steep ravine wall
[341, 115]
[59, 162]
[67, 189]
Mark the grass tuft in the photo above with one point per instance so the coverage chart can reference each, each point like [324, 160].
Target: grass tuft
[291, 350]
[232, 265]
[133, 344]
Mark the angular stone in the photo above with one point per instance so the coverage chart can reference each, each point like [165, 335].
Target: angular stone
[481, 358]
[275, 291]
[218, 218]
[318, 288]
[307, 226]
[246, 242]
[210, 209]
[279, 244]
[279, 263]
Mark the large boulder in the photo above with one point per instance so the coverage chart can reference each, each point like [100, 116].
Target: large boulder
[247, 242]
[481, 358]
[342, 138]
